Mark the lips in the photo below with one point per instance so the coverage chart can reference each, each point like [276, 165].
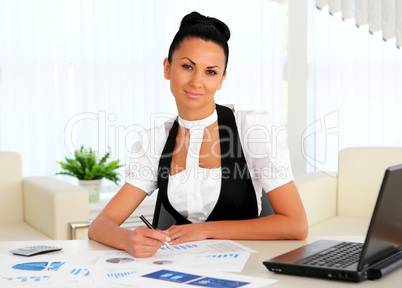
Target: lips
[193, 95]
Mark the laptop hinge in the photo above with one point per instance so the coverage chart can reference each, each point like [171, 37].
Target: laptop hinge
[385, 267]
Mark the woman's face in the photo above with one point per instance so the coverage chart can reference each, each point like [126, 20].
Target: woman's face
[195, 73]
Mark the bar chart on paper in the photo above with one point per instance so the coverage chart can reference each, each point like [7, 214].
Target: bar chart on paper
[182, 247]
[219, 256]
[202, 248]
[11, 280]
[79, 272]
[117, 275]
[231, 262]
[19, 271]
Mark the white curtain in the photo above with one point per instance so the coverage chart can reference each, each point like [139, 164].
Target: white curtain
[380, 15]
[90, 72]
[357, 91]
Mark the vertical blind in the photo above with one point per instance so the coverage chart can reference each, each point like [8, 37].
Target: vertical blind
[357, 89]
[380, 15]
[90, 72]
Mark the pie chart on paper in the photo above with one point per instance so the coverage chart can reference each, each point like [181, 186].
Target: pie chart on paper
[119, 260]
[162, 262]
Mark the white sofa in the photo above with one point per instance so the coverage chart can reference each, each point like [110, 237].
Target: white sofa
[343, 204]
[37, 208]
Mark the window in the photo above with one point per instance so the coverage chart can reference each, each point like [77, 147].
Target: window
[357, 89]
[90, 72]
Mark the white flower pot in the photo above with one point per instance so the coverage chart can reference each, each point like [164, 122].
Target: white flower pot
[93, 187]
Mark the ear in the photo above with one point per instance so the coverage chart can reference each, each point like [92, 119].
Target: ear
[166, 69]
[223, 79]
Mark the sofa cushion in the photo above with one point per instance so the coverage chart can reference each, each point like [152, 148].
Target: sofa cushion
[360, 175]
[53, 204]
[318, 194]
[341, 225]
[10, 187]
[19, 231]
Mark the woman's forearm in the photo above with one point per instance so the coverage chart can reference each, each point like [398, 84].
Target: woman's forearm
[289, 222]
[105, 231]
[106, 226]
[265, 228]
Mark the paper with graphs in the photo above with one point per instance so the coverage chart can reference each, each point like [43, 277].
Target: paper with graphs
[217, 255]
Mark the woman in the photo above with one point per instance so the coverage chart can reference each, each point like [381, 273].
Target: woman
[209, 171]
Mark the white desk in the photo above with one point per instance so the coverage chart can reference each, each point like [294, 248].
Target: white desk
[254, 266]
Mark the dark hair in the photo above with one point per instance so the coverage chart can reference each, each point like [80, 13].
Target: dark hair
[203, 27]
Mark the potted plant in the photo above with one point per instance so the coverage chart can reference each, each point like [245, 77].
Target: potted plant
[90, 172]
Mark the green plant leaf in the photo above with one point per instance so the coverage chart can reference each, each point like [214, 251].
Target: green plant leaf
[84, 166]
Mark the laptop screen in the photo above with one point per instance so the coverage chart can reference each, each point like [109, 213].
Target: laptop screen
[385, 232]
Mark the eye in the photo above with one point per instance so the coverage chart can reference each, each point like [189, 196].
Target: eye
[211, 72]
[186, 66]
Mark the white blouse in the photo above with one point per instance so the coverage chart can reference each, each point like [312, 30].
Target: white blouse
[267, 159]
[195, 195]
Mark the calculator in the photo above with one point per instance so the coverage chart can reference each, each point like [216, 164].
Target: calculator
[34, 250]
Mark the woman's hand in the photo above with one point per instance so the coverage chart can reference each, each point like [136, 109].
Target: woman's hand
[144, 242]
[188, 232]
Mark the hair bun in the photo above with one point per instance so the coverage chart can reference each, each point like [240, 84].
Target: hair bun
[195, 25]
[195, 18]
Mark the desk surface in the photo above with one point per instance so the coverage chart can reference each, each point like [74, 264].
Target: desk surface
[254, 266]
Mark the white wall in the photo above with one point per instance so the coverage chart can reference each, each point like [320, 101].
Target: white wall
[297, 82]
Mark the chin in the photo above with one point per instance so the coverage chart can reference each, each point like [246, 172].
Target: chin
[190, 103]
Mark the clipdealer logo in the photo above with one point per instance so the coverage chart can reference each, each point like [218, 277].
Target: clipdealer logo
[323, 131]
[104, 132]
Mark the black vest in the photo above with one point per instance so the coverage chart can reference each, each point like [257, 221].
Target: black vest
[237, 199]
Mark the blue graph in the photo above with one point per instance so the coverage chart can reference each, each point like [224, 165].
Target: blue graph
[172, 276]
[225, 256]
[119, 275]
[23, 279]
[38, 266]
[217, 283]
[181, 247]
[79, 272]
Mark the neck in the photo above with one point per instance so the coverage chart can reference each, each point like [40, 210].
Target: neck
[195, 114]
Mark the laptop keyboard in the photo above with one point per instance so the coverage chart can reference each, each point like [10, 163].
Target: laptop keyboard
[339, 256]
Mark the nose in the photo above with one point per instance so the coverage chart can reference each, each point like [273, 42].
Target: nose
[196, 79]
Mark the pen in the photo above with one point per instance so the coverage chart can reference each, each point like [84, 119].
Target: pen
[150, 226]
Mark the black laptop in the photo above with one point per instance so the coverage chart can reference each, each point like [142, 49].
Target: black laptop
[380, 254]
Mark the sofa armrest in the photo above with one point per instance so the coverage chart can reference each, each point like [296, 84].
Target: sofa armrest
[318, 193]
[51, 204]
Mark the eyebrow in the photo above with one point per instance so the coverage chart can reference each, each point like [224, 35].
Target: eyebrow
[192, 62]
